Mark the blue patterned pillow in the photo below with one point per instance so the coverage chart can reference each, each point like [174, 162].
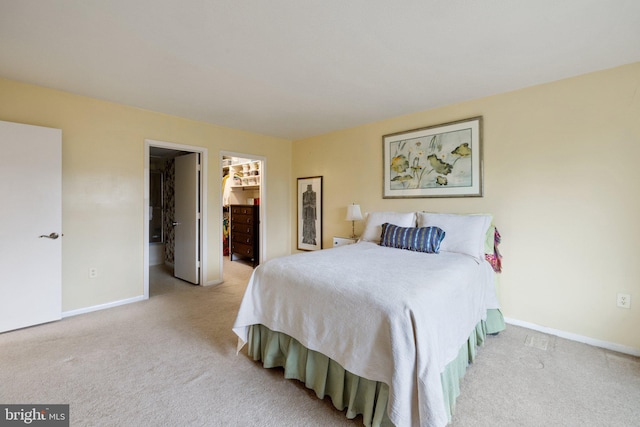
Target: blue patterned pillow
[423, 239]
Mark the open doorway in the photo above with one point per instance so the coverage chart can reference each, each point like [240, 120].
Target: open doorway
[175, 211]
[243, 208]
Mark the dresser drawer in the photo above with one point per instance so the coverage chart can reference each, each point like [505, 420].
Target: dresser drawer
[242, 249]
[242, 228]
[242, 210]
[242, 220]
[247, 239]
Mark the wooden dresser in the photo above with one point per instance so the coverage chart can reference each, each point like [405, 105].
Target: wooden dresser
[243, 227]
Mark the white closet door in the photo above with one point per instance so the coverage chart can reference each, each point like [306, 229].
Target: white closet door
[187, 218]
[30, 225]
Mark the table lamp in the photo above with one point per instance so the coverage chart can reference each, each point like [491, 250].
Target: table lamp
[353, 215]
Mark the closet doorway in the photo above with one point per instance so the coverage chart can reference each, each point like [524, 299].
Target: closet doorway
[243, 189]
[175, 210]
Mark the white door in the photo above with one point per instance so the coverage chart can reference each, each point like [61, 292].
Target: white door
[30, 225]
[187, 218]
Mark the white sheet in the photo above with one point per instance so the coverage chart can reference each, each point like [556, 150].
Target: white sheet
[385, 314]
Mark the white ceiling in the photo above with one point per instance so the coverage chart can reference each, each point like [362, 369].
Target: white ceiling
[292, 68]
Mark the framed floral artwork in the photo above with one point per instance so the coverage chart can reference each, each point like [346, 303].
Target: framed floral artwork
[436, 161]
[310, 213]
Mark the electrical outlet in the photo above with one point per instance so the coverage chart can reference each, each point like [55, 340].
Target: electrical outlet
[93, 273]
[624, 300]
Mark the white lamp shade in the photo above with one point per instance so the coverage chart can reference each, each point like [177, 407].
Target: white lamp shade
[353, 213]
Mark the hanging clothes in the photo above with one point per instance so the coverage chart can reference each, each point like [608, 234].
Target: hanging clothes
[226, 189]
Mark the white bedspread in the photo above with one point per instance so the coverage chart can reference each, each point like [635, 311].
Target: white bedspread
[385, 314]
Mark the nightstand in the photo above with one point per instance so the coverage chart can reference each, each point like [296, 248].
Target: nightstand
[341, 241]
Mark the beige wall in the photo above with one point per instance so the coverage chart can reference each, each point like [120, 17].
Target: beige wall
[103, 185]
[561, 178]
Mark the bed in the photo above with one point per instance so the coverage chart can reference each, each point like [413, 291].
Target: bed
[386, 326]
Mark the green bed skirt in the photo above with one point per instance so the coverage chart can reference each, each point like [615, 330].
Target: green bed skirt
[349, 392]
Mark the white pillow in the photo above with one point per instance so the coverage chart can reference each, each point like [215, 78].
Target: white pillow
[373, 228]
[464, 234]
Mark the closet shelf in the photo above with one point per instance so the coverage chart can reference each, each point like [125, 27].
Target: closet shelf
[245, 187]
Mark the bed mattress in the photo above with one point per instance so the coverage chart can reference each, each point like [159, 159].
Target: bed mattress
[389, 315]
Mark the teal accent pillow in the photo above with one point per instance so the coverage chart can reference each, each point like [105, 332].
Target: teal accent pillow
[423, 239]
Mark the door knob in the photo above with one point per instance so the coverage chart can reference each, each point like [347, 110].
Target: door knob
[53, 236]
[175, 224]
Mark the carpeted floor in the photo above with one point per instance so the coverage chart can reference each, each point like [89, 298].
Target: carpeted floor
[171, 361]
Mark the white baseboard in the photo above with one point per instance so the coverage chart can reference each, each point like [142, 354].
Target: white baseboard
[121, 302]
[102, 306]
[575, 337]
